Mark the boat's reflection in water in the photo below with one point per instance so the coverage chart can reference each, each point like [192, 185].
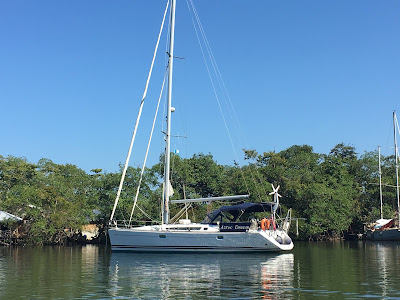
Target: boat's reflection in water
[200, 276]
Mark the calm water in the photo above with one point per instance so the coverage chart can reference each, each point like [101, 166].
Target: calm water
[342, 270]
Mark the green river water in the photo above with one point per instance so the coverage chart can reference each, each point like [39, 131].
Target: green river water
[337, 270]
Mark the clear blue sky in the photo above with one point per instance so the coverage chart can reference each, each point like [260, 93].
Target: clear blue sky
[298, 72]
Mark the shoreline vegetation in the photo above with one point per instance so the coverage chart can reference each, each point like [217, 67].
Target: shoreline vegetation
[336, 193]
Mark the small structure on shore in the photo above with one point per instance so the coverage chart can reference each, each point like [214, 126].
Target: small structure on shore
[8, 224]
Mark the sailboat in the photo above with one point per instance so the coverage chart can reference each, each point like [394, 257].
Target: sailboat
[385, 229]
[231, 228]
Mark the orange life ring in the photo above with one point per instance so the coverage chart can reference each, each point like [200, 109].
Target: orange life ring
[265, 223]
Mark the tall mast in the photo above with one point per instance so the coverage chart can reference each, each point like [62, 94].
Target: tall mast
[380, 180]
[168, 133]
[397, 166]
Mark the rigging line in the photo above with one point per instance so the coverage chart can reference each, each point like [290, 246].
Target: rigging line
[220, 108]
[230, 104]
[138, 117]
[233, 111]
[222, 86]
[143, 212]
[148, 148]
[123, 216]
[180, 213]
[208, 70]
[257, 174]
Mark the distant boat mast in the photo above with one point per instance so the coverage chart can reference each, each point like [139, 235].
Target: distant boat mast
[380, 180]
[395, 124]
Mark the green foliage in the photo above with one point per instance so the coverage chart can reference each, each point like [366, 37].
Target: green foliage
[333, 192]
[50, 197]
[329, 191]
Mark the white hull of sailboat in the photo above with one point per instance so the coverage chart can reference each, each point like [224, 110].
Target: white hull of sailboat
[233, 236]
[149, 239]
